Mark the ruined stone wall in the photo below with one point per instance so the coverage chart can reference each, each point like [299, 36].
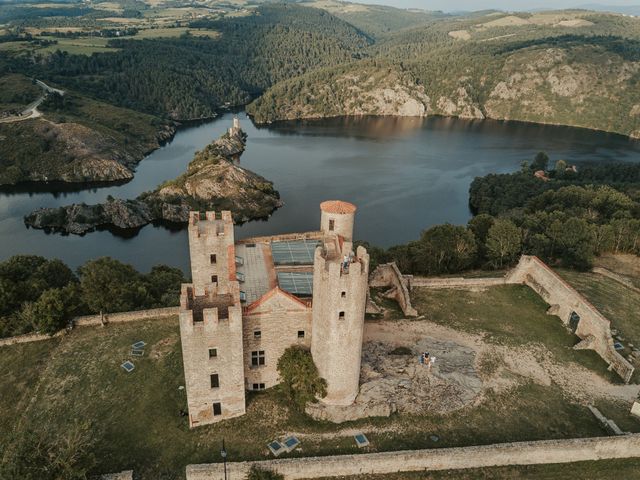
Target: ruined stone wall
[339, 302]
[593, 327]
[278, 331]
[388, 275]
[220, 329]
[520, 453]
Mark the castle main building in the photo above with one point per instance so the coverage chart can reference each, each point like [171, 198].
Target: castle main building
[251, 300]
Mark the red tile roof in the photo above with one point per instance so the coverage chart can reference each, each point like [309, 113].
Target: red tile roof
[337, 206]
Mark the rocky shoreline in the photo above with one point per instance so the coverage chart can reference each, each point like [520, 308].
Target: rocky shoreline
[213, 181]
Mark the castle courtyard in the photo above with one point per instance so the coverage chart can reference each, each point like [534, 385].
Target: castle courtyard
[505, 371]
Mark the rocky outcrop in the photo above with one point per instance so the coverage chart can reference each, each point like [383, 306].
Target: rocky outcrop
[213, 181]
[370, 91]
[393, 380]
[81, 218]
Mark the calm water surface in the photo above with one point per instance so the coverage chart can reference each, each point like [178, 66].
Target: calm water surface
[403, 174]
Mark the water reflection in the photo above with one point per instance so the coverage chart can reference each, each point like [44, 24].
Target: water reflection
[403, 174]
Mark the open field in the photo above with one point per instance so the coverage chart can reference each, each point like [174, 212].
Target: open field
[136, 417]
[173, 32]
[506, 315]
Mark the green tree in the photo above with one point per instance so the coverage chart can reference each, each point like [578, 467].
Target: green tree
[504, 243]
[480, 225]
[444, 249]
[300, 380]
[574, 242]
[540, 162]
[111, 286]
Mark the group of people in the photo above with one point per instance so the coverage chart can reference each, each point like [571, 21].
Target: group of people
[427, 360]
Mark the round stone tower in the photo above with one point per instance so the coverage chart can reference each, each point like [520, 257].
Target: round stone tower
[340, 283]
[337, 217]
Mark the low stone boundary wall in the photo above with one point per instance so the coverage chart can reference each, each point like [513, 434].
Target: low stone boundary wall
[388, 275]
[96, 320]
[457, 282]
[520, 453]
[29, 337]
[122, 317]
[588, 323]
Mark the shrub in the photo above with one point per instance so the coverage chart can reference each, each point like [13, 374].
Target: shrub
[257, 473]
[301, 381]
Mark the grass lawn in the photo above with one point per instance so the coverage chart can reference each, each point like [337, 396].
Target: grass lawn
[601, 470]
[506, 315]
[137, 423]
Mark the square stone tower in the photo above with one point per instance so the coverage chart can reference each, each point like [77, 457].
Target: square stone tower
[211, 323]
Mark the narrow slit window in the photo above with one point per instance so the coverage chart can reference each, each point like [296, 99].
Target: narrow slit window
[332, 225]
[217, 409]
[214, 258]
[215, 381]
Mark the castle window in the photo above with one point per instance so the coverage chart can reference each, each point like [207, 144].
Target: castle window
[214, 278]
[300, 333]
[257, 358]
[341, 316]
[343, 294]
[258, 386]
[257, 334]
[215, 381]
[213, 258]
[217, 409]
[332, 225]
[213, 352]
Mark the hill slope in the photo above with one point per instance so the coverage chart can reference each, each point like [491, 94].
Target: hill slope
[572, 69]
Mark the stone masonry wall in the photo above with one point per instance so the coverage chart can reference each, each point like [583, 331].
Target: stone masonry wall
[122, 317]
[521, 453]
[388, 275]
[593, 327]
[339, 302]
[222, 332]
[456, 282]
[278, 331]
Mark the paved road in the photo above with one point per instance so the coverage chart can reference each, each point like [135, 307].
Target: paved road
[32, 109]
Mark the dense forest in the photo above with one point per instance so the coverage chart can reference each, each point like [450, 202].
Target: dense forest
[567, 217]
[191, 76]
[43, 295]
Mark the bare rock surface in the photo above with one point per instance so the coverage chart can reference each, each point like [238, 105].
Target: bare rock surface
[213, 181]
[400, 383]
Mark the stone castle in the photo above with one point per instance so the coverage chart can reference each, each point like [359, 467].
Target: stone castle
[250, 300]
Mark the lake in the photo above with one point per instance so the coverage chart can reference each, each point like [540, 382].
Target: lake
[404, 174]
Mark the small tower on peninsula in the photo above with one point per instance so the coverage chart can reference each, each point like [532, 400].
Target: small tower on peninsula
[340, 284]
